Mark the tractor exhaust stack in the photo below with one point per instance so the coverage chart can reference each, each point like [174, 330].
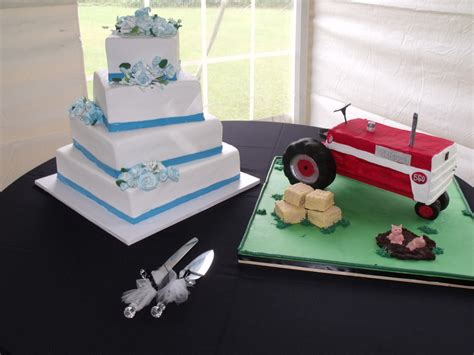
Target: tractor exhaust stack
[413, 130]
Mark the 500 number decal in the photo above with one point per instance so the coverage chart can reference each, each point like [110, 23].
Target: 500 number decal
[419, 178]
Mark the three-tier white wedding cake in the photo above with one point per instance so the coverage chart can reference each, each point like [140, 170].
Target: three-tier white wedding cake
[144, 146]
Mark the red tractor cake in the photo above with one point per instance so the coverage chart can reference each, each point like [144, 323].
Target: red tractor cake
[378, 155]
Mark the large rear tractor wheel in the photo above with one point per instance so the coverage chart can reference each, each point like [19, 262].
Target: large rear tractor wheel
[310, 162]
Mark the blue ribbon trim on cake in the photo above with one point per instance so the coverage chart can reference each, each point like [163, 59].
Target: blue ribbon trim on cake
[154, 211]
[127, 126]
[120, 76]
[169, 162]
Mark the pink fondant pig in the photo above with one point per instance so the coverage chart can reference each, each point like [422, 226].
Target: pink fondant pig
[396, 236]
[416, 243]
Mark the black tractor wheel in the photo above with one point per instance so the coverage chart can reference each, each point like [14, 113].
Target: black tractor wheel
[310, 162]
[430, 212]
[443, 200]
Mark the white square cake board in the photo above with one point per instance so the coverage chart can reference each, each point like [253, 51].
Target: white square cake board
[131, 233]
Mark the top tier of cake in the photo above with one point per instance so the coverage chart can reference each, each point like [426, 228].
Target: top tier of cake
[127, 49]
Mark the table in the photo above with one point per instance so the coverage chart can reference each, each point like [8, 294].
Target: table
[62, 278]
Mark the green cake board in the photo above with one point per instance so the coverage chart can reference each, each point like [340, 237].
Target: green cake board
[352, 250]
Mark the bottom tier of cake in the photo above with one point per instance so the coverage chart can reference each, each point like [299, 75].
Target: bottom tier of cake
[134, 205]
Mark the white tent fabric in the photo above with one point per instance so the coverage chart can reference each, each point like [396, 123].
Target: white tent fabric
[42, 71]
[391, 58]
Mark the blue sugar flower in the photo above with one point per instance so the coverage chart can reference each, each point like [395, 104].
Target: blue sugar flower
[156, 72]
[123, 186]
[126, 24]
[162, 175]
[128, 179]
[92, 114]
[169, 71]
[168, 29]
[96, 114]
[138, 67]
[78, 107]
[144, 24]
[142, 12]
[147, 181]
[173, 173]
[143, 78]
[156, 62]
[136, 170]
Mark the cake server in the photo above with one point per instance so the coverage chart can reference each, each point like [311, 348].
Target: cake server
[151, 282]
[176, 290]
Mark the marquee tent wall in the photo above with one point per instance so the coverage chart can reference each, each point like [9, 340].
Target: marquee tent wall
[42, 71]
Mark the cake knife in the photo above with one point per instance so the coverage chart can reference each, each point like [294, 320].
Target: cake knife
[176, 289]
[152, 282]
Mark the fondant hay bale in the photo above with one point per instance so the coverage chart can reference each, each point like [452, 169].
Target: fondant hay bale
[295, 194]
[319, 200]
[289, 213]
[326, 218]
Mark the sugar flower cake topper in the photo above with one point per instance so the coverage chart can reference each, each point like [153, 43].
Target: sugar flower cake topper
[146, 176]
[142, 24]
[86, 111]
[159, 72]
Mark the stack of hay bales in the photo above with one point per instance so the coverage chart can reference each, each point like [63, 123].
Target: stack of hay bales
[301, 201]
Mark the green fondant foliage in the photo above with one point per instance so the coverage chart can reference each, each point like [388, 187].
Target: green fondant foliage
[120, 182]
[279, 223]
[437, 251]
[344, 223]
[305, 222]
[329, 230]
[135, 30]
[124, 170]
[161, 81]
[125, 65]
[279, 164]
[468, 213]
[163, 63]
[261, 212]
[383, 252]
[428, 230]
[277, 197]
[282, 225]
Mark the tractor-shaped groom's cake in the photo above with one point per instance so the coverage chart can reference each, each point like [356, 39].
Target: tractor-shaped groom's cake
[378, 155]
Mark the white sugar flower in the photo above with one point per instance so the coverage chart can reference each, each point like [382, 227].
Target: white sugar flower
[151, 166]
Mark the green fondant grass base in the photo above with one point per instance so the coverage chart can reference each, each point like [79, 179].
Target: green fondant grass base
[370, 211]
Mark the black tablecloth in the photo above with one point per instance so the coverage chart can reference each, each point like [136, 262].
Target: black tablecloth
[62, 278]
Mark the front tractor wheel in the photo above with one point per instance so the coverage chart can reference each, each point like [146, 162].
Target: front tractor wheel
[428, 211]
[310, 162]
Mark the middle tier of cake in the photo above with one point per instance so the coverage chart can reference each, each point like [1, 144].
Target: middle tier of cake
[134, 205]
[171, 145]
